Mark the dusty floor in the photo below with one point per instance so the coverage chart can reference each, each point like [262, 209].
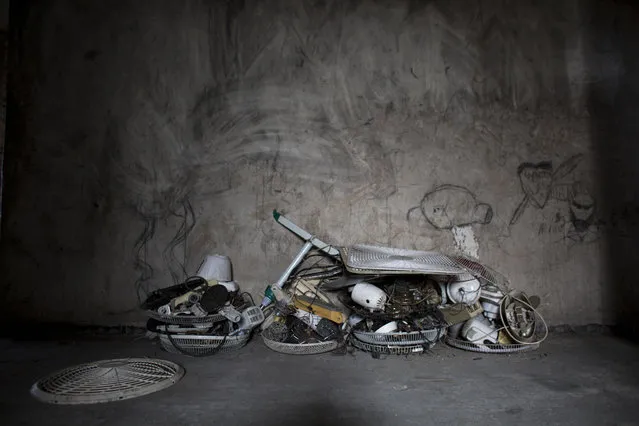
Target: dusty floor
[572, 379]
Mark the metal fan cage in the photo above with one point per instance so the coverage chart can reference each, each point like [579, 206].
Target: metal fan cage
[239, 303]
[194, 345]
[107, 380]
[389, 260]
[401, 339]
[489, 348]
[310, 348]
[184, 319]
[390, 349]
[483, 272]
[300, 348]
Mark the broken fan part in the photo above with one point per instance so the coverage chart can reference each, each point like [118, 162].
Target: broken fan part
[369, 296]
[390, 327]
[164, 310]
[464, 289]
[230, 313]
[196, 309]
[490, 298]
[251, 317]
[214, 298]
[479, 330]
[460, 312]
[308, 288]
[326, 329]
[520, 318]
[410, 295]
[324, 310]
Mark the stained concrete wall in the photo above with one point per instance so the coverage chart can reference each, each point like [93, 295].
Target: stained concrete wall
[144, 136]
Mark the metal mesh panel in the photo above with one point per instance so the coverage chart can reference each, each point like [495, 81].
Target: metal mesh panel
[412, 338]
[390, 349]
[184, 319]
[201, 345]
[301, 349]
[107, 380]
[363, 258]
[489, 348]
[479, 270]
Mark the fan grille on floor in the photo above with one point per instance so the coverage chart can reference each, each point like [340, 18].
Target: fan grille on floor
[108, 380]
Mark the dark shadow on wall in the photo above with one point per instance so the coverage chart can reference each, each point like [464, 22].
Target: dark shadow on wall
[612, 54]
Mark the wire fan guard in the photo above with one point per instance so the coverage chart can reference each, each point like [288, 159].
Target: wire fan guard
[198, 346]
[185, 319]
[108, 380]
[413, 338]
[298, 348]
[483, 272]
[374, 259]
[302, 348]
[390, 349]
[489, 348]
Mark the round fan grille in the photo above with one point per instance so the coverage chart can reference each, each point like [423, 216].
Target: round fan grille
[108, 380]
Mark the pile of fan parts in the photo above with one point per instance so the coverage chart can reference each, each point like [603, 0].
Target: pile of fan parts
[397, 302]
[204, 315]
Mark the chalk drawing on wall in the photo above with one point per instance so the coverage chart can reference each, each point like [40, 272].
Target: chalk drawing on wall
[448, 206]
[455, 208]
[541, 183]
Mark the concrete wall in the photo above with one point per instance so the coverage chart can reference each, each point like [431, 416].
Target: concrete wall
[146, 136]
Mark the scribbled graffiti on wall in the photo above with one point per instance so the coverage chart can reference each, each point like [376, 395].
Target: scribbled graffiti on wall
[455, 208]
[449, 206]
[541, 182]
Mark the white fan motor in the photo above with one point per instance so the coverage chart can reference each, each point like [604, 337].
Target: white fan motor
[465, 289]
[369, 296]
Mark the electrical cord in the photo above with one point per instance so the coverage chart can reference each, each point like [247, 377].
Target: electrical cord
[535, 313]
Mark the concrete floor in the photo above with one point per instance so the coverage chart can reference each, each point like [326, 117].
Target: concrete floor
[573, 379]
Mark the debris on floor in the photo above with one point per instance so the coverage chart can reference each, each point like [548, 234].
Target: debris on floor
[393, 301]
[206, 314]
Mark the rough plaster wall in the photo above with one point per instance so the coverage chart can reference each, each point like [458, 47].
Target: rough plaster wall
[431, 125]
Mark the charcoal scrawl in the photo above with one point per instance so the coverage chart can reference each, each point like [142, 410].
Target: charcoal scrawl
[455, 208]
[540, 183]
[449, 206]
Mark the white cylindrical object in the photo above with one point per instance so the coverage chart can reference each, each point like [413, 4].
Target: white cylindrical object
[479, 330]
[490, 298]
[216, 267]
[466, 291]
[369, 296]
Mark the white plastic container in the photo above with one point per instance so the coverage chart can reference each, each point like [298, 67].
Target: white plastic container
[216, 267]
